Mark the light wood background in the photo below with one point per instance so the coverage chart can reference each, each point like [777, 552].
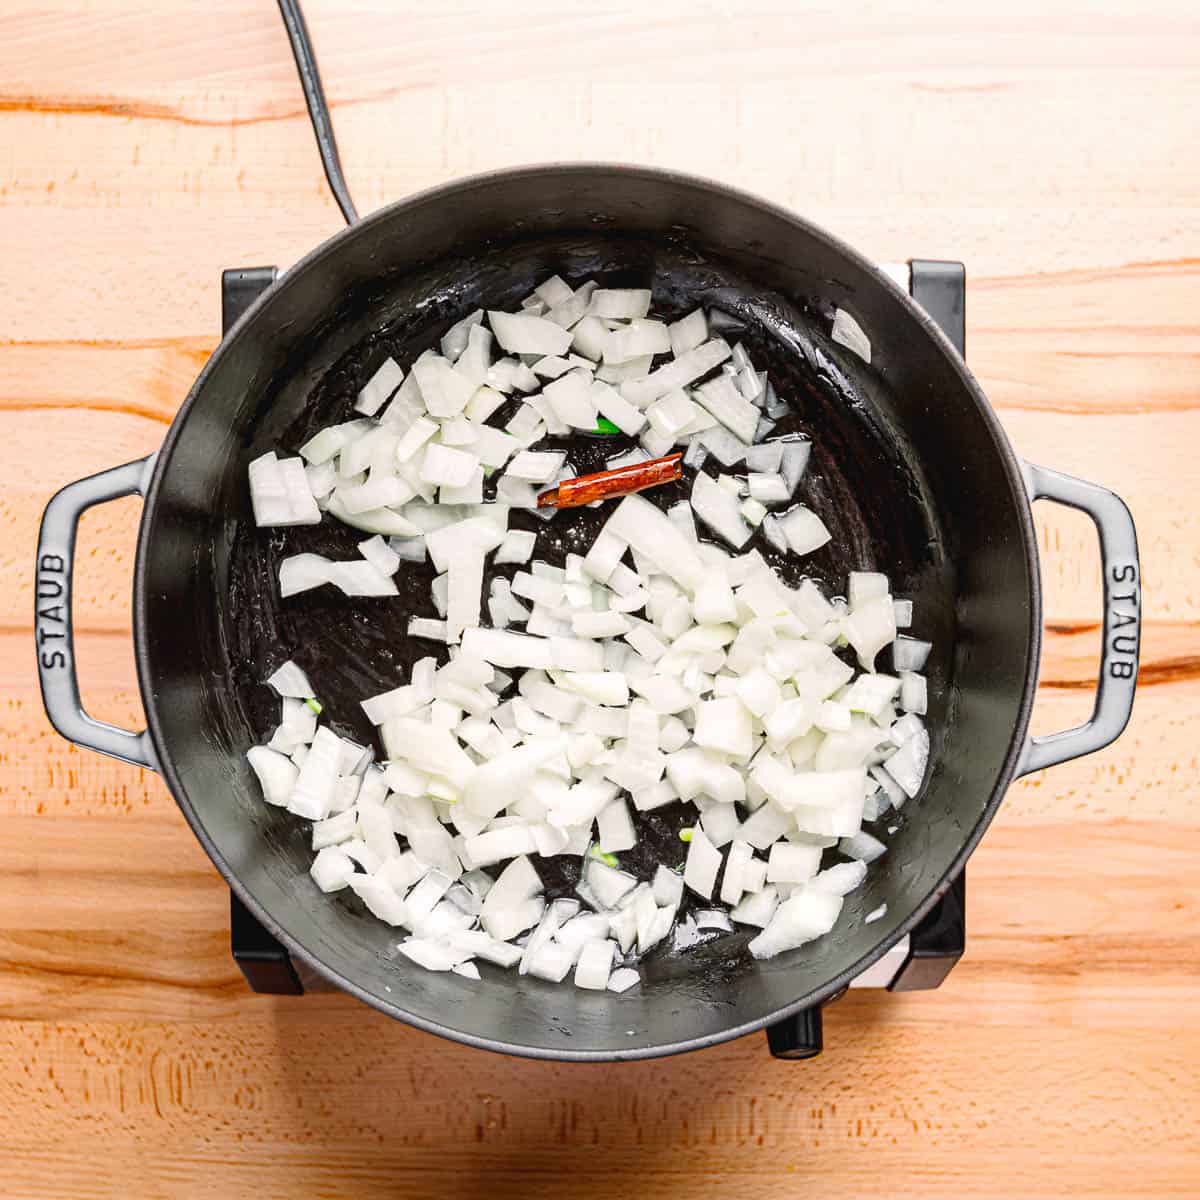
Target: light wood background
[1052, 146]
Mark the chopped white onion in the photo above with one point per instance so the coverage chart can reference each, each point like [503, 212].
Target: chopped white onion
[622, 979]
[524, 334]
[280, 493]
[623, 304]
[703, 863]
[720, 511]
[907, 765]
[595, 965]
[379, 388]
[612, 405]
[290, 680]
[863, 847]
[913, 693]
[804, 916]
[684, 370]
[909, 654]
[794, 461]
[849, 333]
[723, 665]
[688, 333]
[841, 879]
[721, 397]
[756, 908]
[536, 467]
[804, 530]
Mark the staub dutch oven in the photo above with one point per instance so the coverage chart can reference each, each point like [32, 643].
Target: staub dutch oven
[910, 469]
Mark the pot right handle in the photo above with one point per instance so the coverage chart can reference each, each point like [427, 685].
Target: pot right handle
[1122, 619]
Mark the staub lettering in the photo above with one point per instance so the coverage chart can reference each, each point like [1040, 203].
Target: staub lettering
[1123, 623]
[51, 589]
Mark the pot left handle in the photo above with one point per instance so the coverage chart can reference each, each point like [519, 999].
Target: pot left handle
[52, 613]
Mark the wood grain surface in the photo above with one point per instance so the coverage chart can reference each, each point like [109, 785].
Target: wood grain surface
[1051, 146]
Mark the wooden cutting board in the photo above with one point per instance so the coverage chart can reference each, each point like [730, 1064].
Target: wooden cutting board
[1052, 147]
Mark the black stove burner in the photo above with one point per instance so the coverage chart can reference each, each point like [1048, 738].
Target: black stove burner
[934, 946]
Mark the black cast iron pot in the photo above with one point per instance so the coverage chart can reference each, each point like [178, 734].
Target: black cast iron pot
[910, 469]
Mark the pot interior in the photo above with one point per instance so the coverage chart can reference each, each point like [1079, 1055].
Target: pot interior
[908, 470]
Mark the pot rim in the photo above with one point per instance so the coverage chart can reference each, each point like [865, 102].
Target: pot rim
[1013, 470]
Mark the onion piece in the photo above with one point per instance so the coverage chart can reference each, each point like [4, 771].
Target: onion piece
[622, 979]
[862, 846]
[720, 821]
[536, 466]
[757, 908]
[849, 333]
[444, 465]
[524, 334]
[377, 552]
[907, 765]
[841, 879]
[314, 789]
[639, 338]
[724, 725]
[807, 915]
[765, 458]
[444, 390]
[913, 693]
[721, 398]
[671, 414]
[713, 918]
[752, 511]
[607, 884]
[733, 882]
[649, 531]
[353, 578]
[330, 441]
[377, 391]
[667, 887]
[870, 627]
[331, 869]
[553, 291]
[688, 333]
[703, 863]
[623, 304]
[684, 370]
[595, 965]
[719, 511]
[277, 774]
[280, 494]
[570, 398]
[517, 547]
[454, 340]
[768, 489]
[724, 446]
[612, 405]
[290, 680]
[794, 461]
[376, 520]
[804, 530]
[909, 654]
[791, 863]
[867, 585]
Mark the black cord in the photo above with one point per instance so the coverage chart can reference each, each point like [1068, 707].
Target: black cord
[318, 110]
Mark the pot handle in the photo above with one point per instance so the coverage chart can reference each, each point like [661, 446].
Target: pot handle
[1122, 619]
[52, 617]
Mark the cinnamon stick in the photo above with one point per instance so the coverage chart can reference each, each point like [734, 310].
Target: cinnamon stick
[621, 481]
